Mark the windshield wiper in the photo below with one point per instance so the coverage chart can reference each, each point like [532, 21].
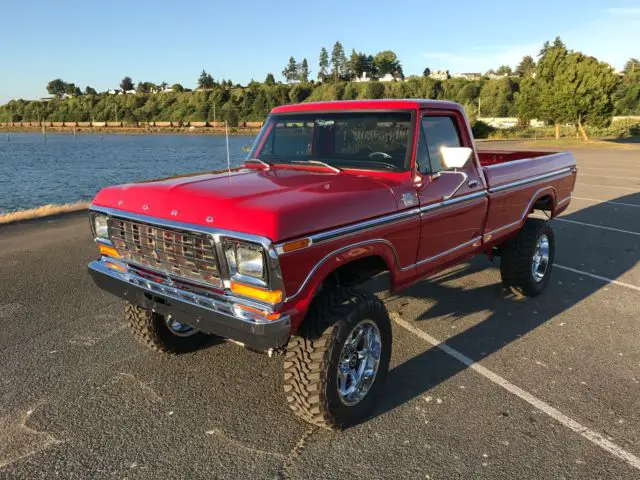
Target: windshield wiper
[257, 160]
[318, 162]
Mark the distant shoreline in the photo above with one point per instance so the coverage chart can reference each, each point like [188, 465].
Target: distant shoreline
[212, 131]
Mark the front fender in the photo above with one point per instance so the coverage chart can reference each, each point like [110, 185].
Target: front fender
[298, 302]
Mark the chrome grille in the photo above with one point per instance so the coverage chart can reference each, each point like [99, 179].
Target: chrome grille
[186, 254]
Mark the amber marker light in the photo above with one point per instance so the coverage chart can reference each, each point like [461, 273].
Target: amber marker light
[108, 251]
[115, 266]
[295, 245]
[267, 316]
[269, 296]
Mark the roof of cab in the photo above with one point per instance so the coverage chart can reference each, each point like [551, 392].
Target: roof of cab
[388, 104]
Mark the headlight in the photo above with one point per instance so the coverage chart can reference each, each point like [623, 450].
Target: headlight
[245, 259]
[100, 227]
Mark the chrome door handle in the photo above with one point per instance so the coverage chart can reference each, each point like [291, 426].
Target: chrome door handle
[473, 183]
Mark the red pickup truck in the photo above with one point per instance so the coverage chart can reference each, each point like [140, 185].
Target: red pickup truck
[270, 255]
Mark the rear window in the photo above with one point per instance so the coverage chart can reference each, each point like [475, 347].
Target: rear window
[366, 140]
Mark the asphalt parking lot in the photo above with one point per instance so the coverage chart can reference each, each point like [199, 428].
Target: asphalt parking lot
[536, 388]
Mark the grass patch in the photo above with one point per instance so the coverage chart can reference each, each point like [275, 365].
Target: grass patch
[43, 211]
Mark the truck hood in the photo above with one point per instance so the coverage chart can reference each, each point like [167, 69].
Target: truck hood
[278, 203]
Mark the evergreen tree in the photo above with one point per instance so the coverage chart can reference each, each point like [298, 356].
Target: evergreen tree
[338, 61]
[290, 72]
[269, 79]
[303, 75]
[526, 67]
[126, 84]
[205, 81]
[323, 64]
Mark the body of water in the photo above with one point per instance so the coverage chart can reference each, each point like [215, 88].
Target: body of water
[67, 168]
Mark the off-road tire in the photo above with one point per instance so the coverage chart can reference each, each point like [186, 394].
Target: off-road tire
[150, 329]
[516, 257]
[312, 357]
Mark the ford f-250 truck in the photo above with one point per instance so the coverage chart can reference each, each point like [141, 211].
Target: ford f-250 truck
[270, 255]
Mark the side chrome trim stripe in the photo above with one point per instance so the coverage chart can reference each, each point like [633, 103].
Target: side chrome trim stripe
[443, 254]
[357, 227]
[453, 201]
[376, 222]
[524, 181]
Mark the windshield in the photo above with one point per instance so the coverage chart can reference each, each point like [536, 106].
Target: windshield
[362, 140]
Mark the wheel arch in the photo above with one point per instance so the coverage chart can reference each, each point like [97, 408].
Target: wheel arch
[341, 267]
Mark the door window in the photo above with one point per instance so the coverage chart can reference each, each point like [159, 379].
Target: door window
[439, 131]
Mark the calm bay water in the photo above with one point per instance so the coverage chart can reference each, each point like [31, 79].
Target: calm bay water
[69, 168]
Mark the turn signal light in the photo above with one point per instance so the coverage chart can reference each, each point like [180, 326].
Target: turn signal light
[115, 266]
[108, 251]
[295, 245]
[267, 316]
[269, 296]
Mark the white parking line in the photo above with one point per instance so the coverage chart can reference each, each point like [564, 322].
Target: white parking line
[598, 277]
[591, 435]
[608, 176]
[608, 186]
[597, 226]
[557, 219]
[595, 200]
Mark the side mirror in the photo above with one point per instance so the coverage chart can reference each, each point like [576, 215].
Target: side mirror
[455, 157]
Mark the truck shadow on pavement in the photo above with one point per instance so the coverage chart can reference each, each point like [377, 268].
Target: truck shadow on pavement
[510, 317]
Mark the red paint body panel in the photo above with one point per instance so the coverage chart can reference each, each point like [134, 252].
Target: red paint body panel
[287, 202]
[277, 203]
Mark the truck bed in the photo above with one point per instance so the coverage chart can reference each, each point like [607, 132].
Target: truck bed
[502, 167]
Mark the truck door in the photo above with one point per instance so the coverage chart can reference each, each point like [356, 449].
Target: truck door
[453, 206]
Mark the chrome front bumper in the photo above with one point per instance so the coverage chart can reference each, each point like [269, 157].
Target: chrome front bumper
[210, 315]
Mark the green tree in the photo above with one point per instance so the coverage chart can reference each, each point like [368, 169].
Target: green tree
[426, 72]
[338, 61]
[375, 90]
[526, 101]
[269, 79]
[126, 84]
[303, 74]
[90, 91]
[504, 70]
[497, 97]
[526, 67]
[299, 92]
[632, 66]
[56, 87]
[323, 64]
[387, 62]
[176, 87]
[145, 87]
[290, 72]
[550, 106]
[205, 81]
[586, 87]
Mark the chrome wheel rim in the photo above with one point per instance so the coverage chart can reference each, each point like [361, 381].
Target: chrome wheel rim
[358, 363]
[179, 329]
[540, 259]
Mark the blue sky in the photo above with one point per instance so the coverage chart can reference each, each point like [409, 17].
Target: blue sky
[98, 43]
